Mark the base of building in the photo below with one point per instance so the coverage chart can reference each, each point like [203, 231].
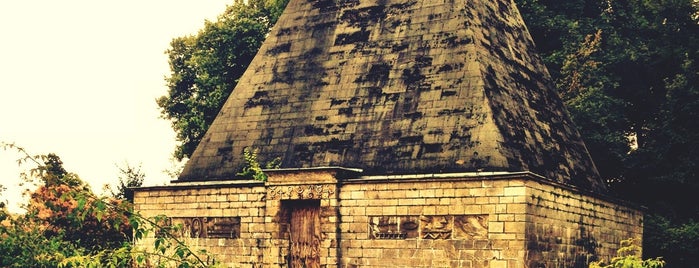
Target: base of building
[335, 217]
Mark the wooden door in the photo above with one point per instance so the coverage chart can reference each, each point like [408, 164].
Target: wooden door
[304, 234]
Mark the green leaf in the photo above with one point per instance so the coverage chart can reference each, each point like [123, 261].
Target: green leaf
[81, 202]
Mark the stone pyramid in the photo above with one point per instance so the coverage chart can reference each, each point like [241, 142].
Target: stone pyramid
[398, 87]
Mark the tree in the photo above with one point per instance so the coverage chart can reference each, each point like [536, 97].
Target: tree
[130, 177]
[66, 225]
[600, 117]
[206, 67]
[628, 73]
[58, 208]
[57, 223]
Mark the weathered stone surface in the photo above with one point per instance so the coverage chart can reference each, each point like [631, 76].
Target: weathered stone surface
[398, 87]
[511, 220]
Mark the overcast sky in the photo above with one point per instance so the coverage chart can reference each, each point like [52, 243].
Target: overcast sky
[79, 78]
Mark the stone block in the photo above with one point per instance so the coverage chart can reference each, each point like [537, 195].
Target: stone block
[495, 191]
[506, 217]
[483, 200]
[515, 190]
[389, 210]
[498, 264]
[473, 209]
[505, 200]
[496, 227]
[427, 193]
[514, 227]
[416, 210]
[373, 211]
[445, 210]
[357, 195]
[488, 209]
[516, 208]
[477, 192]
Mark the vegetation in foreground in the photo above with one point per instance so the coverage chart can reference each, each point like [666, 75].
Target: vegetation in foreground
[67, 225]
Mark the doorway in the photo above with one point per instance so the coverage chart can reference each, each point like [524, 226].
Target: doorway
[304, 233]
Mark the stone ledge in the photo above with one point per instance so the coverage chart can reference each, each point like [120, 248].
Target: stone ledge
[200, 185]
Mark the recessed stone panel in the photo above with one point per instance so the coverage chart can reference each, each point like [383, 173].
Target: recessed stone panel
[471, 227]
[207, 227]
[435, 227]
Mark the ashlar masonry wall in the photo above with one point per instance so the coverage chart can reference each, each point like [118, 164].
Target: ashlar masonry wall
[494, 220]
[567, 229]
[200, 206]
[447, 222]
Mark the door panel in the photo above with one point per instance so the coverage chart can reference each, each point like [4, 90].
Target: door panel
[304, 234]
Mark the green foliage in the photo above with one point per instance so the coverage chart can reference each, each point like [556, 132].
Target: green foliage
[167, 249]
[628, 256]
[23, 244]
[129, 178]
[598, 115]
[628, 73]
[66, 225]
[206, 67]
[252, 169]
[676, 241]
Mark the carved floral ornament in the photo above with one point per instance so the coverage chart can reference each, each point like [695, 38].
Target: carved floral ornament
[300, 191]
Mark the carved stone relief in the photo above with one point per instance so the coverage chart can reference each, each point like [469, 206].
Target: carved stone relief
[300, 191]
[393, 227]
[436, 227]
[471, 226]
[208, 227]
[429, 227]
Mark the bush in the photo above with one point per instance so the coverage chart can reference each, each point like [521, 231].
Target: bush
[628, 256]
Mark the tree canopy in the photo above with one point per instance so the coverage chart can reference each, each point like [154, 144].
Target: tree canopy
[206, 67]
[627, 71]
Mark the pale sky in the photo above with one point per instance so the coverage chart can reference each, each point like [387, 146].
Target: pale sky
[79, 78]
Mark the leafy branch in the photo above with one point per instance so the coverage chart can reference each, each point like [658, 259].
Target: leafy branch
[167, 245]
[253, 169]
[628, 256]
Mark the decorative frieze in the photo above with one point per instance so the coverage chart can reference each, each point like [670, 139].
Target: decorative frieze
[429, 227]
[317, 191]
